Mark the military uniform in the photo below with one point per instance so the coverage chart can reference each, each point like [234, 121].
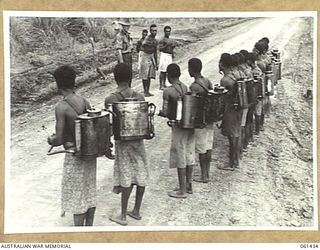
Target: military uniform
[124, 43]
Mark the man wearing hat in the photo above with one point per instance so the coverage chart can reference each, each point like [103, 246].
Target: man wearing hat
[124, 45]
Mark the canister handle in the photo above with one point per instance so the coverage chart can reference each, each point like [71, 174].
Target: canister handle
[151, 112]
[171, 123]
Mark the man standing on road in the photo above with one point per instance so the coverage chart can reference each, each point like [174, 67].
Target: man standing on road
[258, 107]
[166, 48]
[231, 122]
[249, 119]
[203, 136]
[78, 194]
[149, 60]
[138, 46]
[124, 45]
[258, 50]
[139, 43]
[182, 140]
[130, 165]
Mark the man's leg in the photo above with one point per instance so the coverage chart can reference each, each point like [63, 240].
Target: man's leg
[90, 216]
[182, 185]
[162, 79]
[79, 219]
[135, 213]
[203, 166]
[251, 132]
[145, 84]
[148, 87]
[247, 135]
[236, 151]
[189, 179]
[262, 122]
[231, 154]
[209, 156]
[122, 218]
[257, 124]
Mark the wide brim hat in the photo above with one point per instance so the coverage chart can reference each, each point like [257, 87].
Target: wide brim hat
[125, 21]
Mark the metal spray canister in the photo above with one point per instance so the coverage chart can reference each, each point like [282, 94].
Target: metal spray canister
[179, 109]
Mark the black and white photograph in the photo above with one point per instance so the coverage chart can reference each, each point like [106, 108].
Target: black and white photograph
[160, 121]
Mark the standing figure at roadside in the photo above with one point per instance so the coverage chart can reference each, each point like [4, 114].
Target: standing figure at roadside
[247, 115]
[251, 95]
[268, 62]
[258, 109]
[231, 122]
[149, 60]
[138, 46]
[182, 140]
[139, 43]
[258, 51]
[265, 56]
[130, 165]
[166, 48]
[203, 136]
[124, 45]
[78, 194]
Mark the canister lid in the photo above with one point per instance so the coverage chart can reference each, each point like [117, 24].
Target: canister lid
[132, 99]
[219, 89]
[93, 112]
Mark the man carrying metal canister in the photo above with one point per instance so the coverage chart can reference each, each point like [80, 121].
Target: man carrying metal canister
[78, 194]
[182, 140]
[130, 165]
[166, 48]
[231, 122]
[203, 136]
[124, 46]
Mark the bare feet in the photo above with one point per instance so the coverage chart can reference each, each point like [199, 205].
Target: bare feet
[134, 215]
[229, 168]
[118, 219]
[189, 190]
[177, 194]
[200, 179]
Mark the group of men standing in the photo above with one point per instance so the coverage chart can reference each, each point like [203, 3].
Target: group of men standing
[238, 123]
[147, 47]
[130, 166]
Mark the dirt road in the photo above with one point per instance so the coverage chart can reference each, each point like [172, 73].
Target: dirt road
[272, 188]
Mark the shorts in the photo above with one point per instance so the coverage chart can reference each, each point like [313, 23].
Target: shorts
[182, 148]
[204, 139]
[147, 68]
[164, 61]
[259, 107]
[244, 117]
